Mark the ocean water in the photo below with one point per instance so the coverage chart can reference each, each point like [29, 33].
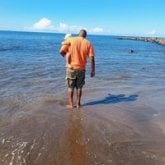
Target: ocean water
[121, 122]
[32, 70]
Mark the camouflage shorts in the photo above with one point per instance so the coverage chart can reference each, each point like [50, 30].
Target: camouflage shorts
[75, 78]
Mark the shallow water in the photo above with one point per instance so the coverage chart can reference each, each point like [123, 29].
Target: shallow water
[120, 133]
[122, 118]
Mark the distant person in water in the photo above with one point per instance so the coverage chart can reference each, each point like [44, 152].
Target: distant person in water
[80, 49]
[67, 55]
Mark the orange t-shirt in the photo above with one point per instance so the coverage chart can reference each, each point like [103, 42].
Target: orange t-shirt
[80, 49]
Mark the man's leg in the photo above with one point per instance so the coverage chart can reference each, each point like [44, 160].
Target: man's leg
[79, 84]
[79, 94]
[70, 80]
[70, 98]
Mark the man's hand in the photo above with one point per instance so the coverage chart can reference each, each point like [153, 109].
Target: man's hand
[92, 73]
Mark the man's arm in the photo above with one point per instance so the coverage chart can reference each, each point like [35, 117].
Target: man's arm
[92, 61]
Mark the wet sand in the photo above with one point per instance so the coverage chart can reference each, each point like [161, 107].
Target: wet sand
[110, 129]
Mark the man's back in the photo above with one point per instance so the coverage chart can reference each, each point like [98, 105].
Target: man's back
[80, 49]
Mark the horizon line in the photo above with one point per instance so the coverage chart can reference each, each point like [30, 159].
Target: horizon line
[89, 34]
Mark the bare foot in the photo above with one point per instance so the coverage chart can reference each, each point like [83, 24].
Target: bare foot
[79, 106]
[69, 106]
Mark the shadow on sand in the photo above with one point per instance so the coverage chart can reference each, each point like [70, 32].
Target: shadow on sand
[112, 99]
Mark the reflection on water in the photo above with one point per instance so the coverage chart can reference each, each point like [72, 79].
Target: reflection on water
[77, 147]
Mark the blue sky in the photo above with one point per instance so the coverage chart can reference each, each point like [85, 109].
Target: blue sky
[114, 17]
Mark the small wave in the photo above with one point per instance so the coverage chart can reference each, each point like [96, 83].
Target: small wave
[9, 48]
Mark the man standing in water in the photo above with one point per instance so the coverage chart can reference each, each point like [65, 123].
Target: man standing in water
[80, 49]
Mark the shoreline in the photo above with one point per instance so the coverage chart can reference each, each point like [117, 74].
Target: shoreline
[157, 40]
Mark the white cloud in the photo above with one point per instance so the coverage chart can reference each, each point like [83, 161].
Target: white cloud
[153, 32]
[76, 28]
[63, 26]
[43, 24]
[97, 30]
